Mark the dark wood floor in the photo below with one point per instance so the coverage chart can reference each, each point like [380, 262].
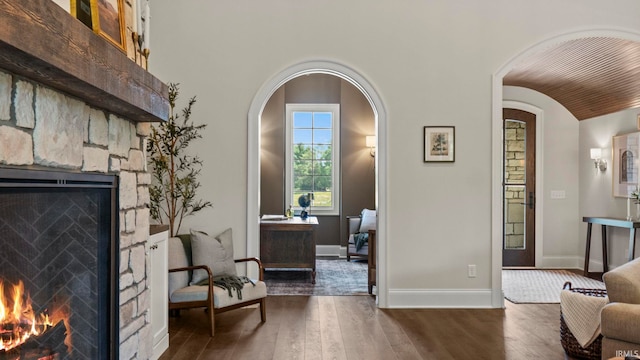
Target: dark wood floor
[351, 327]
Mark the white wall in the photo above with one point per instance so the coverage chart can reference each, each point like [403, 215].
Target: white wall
[559, 238]
[596, 196]
[430, 61]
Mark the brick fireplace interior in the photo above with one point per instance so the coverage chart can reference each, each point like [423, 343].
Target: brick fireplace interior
[58, 265]
[73, 104]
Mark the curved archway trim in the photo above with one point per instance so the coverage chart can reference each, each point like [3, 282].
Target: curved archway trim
[496, 142]
[329, 67]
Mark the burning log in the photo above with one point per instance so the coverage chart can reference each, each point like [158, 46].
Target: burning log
[47, 346]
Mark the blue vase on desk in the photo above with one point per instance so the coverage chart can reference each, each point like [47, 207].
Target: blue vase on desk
[304, 214]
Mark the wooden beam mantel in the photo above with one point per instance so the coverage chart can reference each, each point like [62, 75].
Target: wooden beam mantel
[42, 42]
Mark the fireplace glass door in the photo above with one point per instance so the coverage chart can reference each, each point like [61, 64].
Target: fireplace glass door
[57, 278]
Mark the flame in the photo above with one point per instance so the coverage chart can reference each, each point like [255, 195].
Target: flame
[17, 319]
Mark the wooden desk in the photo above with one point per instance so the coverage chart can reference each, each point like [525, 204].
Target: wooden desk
[604, 222]
[289, 244]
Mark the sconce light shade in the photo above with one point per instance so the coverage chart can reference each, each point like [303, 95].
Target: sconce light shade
[370, 142]
[596, 156]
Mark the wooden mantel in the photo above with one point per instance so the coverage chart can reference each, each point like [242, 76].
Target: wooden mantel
[41, 41]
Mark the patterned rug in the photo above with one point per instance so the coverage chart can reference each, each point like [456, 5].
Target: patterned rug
[541, 286]
[333, 277]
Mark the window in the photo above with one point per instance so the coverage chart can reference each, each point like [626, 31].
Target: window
[313, 156]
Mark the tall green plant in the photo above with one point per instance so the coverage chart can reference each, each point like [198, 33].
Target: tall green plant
[175, 173]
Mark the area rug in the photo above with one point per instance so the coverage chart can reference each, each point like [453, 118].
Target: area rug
[541, 286]
[333, 277]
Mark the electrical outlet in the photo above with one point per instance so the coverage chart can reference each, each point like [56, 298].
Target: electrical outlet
[472, 272]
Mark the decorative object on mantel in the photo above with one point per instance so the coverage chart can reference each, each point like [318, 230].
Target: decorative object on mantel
[305, 202]
[104, 17]
[174, 184]
[141, 37]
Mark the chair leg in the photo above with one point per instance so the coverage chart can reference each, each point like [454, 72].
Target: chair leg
[212, 320]
[263, 309]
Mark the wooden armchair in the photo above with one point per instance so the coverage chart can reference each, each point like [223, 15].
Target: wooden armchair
[368, 250]
[215, 299]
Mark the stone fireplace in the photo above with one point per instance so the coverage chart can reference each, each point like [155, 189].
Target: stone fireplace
[41, 128]
[72, 103]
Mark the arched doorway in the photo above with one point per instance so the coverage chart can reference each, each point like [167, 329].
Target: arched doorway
[497, 143]
[253, 152]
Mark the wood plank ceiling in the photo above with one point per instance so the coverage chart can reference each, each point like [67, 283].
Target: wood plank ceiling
[590, 76]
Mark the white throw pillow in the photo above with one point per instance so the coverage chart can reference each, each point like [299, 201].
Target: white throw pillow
[216, 253]
[368, 221]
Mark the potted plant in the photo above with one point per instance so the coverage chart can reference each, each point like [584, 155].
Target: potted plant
[174, 171]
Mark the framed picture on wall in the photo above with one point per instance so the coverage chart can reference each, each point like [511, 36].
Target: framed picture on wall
[439, 143]
[626, 157]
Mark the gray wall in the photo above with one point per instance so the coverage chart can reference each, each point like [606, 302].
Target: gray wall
[356, 121]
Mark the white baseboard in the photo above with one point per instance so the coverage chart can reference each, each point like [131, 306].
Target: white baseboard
[329, 250]
[561, 262]
[441, 298]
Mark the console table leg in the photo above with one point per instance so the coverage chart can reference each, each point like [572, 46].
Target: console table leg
[588, 251]
[632, 244]
[605, 257]
[313, 275]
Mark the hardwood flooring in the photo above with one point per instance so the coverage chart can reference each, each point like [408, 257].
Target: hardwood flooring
[351, 327]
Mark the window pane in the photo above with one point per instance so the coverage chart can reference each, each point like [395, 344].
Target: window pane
[322, 152]
[302, 136]
[322, 136]
[302, 167]
[302, 185]
[302, 119]
[322, 198]
[322, 167]
[322, 183]
[515, 219]
[515, 152]
[322, 120]
[302, 152]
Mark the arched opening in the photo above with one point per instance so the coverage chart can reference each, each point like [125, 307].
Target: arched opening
[497, 143]
[253, 152]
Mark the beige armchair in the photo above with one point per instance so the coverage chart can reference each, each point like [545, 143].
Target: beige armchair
[620, 319]
[184, 294]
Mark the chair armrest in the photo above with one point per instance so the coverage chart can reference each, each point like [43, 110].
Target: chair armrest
[620, 321]
[353, 223]
[189, 268]
[257, 261]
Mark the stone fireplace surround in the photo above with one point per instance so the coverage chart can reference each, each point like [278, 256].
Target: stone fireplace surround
[44, 128]
[71, 101]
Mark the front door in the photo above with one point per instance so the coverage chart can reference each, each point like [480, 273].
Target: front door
[519, 188]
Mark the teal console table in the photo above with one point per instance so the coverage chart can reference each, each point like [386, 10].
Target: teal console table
[604, 222]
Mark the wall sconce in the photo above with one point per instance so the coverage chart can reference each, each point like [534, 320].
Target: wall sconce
[370, 141]
[596, 156]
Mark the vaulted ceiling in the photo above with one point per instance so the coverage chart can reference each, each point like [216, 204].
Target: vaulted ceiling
[590, 76]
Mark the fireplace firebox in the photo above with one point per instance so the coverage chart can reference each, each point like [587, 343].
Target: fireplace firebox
[58, 265]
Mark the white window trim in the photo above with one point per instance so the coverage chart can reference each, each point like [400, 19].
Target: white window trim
[335, 156]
